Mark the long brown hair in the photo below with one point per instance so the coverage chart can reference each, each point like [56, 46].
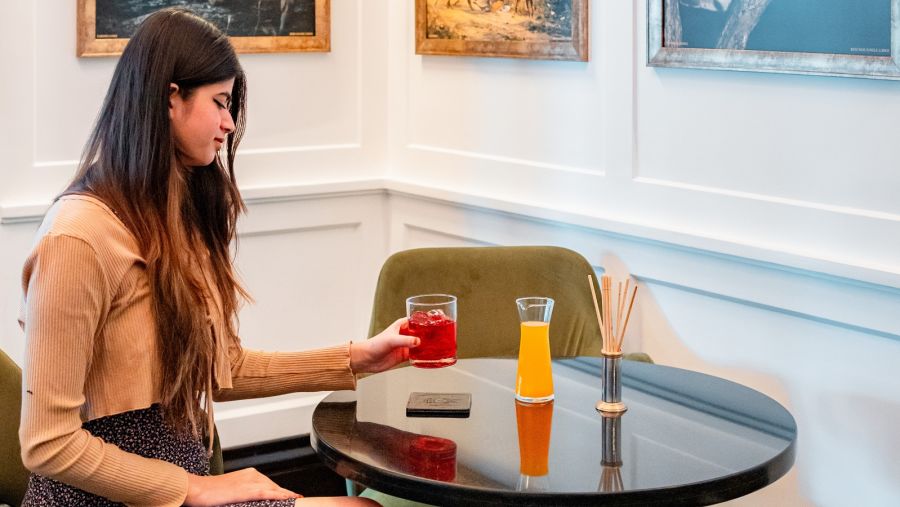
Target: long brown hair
[175, 213]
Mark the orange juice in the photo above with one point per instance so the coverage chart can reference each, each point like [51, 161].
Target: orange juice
[533, 423]
[534, 380]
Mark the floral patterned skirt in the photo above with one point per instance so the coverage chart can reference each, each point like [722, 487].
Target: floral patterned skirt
[142, 432]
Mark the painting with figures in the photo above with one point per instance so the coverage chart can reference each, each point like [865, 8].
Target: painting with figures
[543, 29]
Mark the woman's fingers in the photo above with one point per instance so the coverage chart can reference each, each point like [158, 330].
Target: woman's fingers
[234, 487]
[401, 340]
[336, 501]
[269, 489]
[284, 494]
[395, 326]
[274, 493]
[385, 350]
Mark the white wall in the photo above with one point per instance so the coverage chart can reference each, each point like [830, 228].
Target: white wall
[313, 119]
[793, 169]
[755, 210]
[758, 212]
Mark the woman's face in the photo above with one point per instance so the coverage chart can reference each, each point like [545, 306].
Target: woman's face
[201, 122]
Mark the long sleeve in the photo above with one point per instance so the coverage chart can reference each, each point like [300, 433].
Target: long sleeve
[255, 374]
[67, 299]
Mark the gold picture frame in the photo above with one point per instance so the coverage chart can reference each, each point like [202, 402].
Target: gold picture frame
[89, 44]
[504, 28]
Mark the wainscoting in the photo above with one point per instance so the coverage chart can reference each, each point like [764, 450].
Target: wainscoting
[817, 342]
[310, 262]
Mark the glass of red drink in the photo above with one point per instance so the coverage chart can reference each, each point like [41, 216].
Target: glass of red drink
[432, 317]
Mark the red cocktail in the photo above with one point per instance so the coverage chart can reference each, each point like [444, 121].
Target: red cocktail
[432, 318]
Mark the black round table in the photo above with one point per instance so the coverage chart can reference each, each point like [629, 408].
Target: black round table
[686, 439]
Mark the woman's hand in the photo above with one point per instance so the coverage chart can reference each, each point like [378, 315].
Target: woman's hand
[241, 486]
[383, 351]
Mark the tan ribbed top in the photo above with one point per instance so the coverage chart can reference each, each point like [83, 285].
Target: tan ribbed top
[91, 352]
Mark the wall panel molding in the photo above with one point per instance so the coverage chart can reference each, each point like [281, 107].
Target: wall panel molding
[410, 229]
[798, 203]
[635, 232]
[503, 160]
[839, 301]
[280, 417]
[34, 212]
[306, 257]
[290, 230]
[820, 265]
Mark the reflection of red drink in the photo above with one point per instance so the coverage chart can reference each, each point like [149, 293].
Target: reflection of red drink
[437, 333]
[433, 458]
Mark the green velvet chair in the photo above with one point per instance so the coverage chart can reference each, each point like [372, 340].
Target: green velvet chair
[216, 462]
[13, 474]
[487, 281]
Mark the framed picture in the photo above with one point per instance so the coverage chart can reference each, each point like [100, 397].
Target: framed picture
[537, 29]
[858, 38]
[254, 26]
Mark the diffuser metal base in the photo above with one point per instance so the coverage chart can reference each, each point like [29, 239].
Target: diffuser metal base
[610, 408]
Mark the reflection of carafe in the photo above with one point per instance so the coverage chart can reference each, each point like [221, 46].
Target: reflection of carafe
[533, 423]
[611, 472]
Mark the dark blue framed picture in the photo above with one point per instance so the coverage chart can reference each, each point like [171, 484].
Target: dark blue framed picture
[853, 38]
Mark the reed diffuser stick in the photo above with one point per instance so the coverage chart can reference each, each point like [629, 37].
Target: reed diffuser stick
[612, 324]
[627, 316]
[604, 296]
[618, 306]
[597, 310]
[618, 319]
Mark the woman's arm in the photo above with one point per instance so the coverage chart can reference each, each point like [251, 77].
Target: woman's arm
[257, 374]
[67, 297]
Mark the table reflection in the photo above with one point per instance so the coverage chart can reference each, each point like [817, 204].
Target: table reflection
[611, 463]
[430, 457]
[425, 456]
[533, 425]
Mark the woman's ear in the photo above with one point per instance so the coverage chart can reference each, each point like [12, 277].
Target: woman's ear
[174, 99]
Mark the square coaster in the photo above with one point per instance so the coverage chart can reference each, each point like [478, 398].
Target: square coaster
[439, 405]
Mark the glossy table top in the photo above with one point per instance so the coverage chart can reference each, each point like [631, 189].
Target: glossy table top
[686, 438]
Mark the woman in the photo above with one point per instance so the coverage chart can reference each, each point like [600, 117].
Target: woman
[130, 297]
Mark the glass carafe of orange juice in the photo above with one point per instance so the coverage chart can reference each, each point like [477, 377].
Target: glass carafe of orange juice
[534, 378]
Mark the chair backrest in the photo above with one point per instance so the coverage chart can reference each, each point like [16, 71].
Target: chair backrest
[216, 461]
[487, 281]
[13, 474]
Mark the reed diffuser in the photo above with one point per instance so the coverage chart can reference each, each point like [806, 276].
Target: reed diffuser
[612, 332]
